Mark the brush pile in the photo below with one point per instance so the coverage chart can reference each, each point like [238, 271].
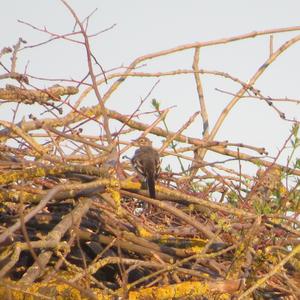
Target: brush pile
[77, 223]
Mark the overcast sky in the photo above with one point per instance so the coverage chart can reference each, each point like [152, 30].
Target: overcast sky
[143, 27]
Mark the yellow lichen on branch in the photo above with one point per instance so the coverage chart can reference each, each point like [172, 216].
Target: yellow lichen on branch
[176, 291]
[16, 94]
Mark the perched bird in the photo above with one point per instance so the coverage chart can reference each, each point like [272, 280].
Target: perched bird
[146, 162]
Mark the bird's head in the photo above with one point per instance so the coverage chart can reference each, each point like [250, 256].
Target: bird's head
[142, 142]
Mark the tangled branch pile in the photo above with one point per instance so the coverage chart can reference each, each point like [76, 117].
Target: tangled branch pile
[77, 223]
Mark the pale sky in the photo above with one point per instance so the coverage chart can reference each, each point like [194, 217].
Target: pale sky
[143, 27]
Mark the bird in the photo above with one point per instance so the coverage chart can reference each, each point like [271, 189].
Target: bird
[146, 162]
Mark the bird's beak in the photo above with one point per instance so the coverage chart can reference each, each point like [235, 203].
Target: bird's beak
[133, 142]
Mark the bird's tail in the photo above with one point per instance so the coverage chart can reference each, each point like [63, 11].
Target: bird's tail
[151, 184]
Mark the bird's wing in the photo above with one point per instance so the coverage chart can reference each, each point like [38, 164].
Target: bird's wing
[138, 163]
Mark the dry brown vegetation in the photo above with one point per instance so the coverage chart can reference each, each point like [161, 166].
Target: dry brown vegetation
[76, 223]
